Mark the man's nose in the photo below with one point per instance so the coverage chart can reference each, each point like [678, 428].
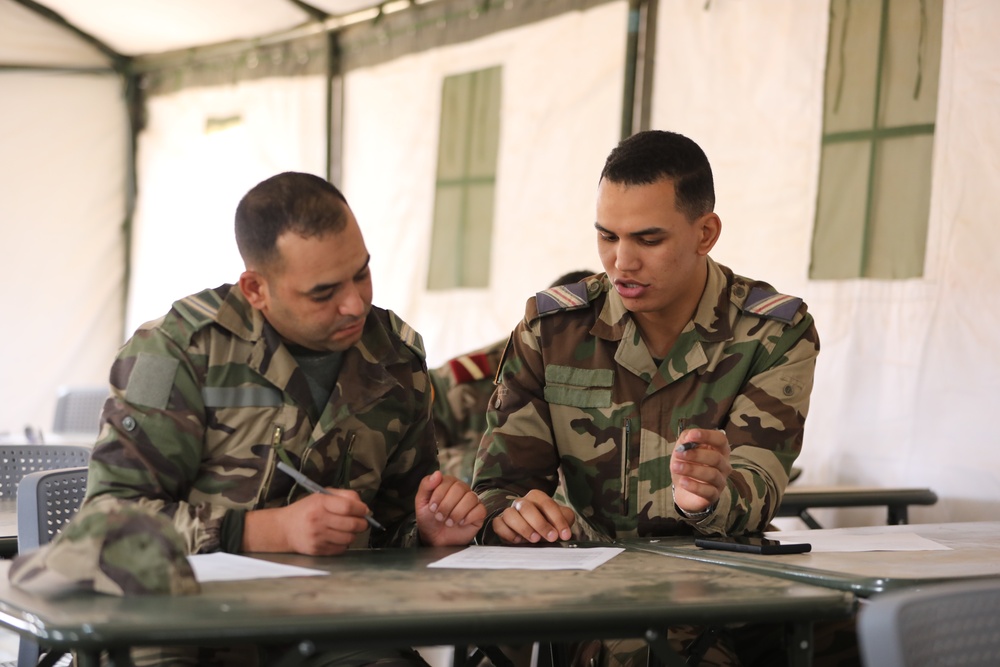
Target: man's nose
[353, 303]
[626, 258]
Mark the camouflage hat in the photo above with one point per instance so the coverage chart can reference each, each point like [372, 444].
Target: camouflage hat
[121, 550]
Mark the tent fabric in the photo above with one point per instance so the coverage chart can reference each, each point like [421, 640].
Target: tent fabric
[552, 148]
[908, 371]
[193, 176]
[62, 210]
[28, 39]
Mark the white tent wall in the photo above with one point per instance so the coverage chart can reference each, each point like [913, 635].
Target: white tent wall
[908, 374]
[558, 122]
[192, 177]
[64, 139]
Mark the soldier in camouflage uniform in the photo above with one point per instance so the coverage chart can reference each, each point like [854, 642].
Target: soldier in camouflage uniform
[670, 393]
[293, 364]
[462, 390]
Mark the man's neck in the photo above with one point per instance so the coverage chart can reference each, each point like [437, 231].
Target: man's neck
[660, 329]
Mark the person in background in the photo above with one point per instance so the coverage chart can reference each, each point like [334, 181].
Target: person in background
[292, 364]
[668, 393]
[462, 390]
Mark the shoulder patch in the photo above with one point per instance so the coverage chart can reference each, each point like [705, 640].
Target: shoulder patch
[563, 297]
[772, 305]
[407, 334]
[471, 367]
[199, 309]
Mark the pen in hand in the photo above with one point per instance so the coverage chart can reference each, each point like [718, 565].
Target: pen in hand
[312, 486]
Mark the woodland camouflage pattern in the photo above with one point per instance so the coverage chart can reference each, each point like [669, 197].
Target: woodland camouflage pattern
[462, 390]
[206, 399]
[119, 551]
[580, 395]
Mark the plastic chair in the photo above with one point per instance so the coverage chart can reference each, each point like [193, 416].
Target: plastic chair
[46, 501]
[78, 410]
[944, 624]
[16, 461]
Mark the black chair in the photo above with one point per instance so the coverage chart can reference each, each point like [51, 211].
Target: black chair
[46, 501]
[16, 461]
[944, 624]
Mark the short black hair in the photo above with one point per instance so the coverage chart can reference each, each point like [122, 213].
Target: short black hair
[650, 156]
[291, 201]
[571, 277]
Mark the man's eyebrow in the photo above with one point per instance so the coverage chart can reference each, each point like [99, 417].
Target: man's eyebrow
[325, 287]
[649, 231]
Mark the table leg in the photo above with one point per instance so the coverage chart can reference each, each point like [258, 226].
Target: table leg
[898, 515]
[800, 644]
[661, 654]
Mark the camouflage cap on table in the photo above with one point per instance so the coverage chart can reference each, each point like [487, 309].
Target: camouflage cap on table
[123, 550]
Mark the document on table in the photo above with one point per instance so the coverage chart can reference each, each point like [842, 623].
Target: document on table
[846, 539]
[230, 567]
[528, 558]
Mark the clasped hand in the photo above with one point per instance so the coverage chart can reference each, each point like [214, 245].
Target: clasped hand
[534, 518]
[699, 474]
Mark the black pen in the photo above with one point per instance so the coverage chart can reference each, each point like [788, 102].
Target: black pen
[312, 486]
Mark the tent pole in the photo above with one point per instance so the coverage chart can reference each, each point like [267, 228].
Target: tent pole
[640, 49]
[334, 110]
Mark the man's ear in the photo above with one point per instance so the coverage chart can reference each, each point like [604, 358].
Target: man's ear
[254, 288]
[710, 227]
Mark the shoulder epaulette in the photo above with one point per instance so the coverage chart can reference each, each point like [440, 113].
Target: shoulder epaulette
[471, 367]
[199, 309]
[563, 297]
[407, 334]
[769, 304]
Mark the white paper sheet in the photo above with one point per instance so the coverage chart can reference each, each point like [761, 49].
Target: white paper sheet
[230, 567]
[528, 558]
[842, 540]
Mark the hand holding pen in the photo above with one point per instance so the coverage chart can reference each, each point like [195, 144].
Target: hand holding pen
[700, 468]
[313, 487]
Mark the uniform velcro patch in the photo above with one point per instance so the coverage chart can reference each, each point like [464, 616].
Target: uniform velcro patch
[772, 305]
[151, 380]
[470, 367]
[563, 297]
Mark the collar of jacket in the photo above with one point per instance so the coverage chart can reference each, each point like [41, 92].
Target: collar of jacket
[376, 349]
[711, 324]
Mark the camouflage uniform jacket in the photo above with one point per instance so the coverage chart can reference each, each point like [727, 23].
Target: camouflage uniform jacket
[207, 399]
[581, 395]
[462, 390]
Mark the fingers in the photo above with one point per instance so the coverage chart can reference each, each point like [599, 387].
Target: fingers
[534, 518]
[451, 501]
[321, 524]
[448, 511]
[700, 467]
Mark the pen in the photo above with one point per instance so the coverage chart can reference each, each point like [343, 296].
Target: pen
[686, 446]
[312, 486]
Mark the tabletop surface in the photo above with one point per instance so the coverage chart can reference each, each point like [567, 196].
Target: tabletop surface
[373, 594]
[975, 552]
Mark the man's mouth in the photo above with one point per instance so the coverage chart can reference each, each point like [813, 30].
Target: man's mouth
[630, 289]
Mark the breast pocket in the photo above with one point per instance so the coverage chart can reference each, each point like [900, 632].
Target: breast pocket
[578, 387]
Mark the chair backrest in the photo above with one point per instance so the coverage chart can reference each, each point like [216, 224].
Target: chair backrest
[46, 501]
[16, 461]
[78, 410]
[943, 624]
